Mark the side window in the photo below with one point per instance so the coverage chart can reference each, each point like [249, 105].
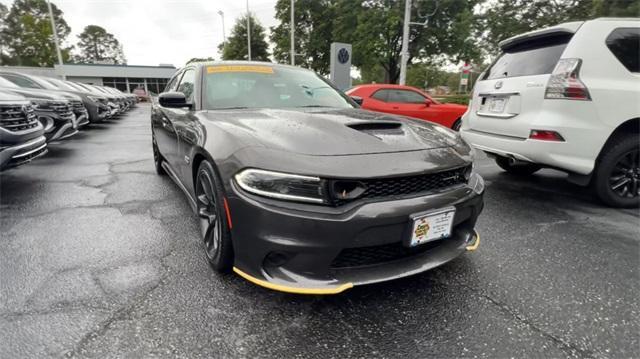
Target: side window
[187, 84]
[381, 95]
[173, 83]
[405, 96]
[624, 43]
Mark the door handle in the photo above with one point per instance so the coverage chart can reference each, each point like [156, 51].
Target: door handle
[395, 107]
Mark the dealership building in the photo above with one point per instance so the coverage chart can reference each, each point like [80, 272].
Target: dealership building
[123, 77]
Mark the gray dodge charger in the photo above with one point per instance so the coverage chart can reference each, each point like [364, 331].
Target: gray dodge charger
[298, 190]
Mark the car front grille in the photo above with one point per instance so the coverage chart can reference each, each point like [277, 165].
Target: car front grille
[366, 256]
[345, 191]
[17, 117]
[77, 106]
[63, 109]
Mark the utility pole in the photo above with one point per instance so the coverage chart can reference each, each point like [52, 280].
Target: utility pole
[405, 42]
[405, 36]
[224, 36]
[248, 31]
[293, 30]
[55, 36]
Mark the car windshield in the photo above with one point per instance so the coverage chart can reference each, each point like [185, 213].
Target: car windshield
[6, 83]
[235, 86]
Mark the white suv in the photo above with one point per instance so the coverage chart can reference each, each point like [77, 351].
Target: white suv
[565, 97]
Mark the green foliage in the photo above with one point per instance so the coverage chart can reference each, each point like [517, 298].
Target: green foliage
[501, 19]
[459, 99]
[313, 31]
[236, 46]
[26, 35]
[96, 45]
[374, 28]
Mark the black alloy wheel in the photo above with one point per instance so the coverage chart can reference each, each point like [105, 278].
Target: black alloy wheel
[214, 227]
[616, 179]
[624, 179]
[456, 125]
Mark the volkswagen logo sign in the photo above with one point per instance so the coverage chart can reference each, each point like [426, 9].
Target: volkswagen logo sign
[498, 85]
[343, 56]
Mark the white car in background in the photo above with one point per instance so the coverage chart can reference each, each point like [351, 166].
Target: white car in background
[565, 97]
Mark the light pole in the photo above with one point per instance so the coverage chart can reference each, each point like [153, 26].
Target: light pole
[55, 35]
[224, 36]
[405, 42]
[405, 37]
[293, 30]
[248, 31]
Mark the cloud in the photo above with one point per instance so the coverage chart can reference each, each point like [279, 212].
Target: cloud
[161, 31]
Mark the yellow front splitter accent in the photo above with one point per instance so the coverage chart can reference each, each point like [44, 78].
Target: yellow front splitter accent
[476, 244]
[287, 289]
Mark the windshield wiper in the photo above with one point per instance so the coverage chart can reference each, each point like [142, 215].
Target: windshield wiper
[231, 108]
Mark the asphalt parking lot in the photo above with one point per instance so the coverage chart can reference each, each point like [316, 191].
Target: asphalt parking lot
[100, 257]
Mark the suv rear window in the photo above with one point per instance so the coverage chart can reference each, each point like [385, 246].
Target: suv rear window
[535, 57]
[624, 43]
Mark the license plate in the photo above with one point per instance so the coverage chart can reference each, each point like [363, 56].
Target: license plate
[431, 226]
[496, 104]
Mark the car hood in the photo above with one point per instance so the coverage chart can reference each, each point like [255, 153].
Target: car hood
[35, 94]
[331, 132]
[6, 96]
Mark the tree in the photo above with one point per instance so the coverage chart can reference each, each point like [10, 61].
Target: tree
[501, 19]
[96, 45]
[27, 37]
[374, 28]
[313, 33]
[236, 46]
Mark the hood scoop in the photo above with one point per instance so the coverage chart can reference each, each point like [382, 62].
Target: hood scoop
[378, 128]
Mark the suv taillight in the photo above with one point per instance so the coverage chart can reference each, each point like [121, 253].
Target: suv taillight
[565, 83]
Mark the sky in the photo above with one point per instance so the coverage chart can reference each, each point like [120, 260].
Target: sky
[154, 32]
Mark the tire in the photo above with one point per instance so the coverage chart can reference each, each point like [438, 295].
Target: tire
[214, 224]
[157, 157]
[616, 180]
[520, 169]
[456, 125]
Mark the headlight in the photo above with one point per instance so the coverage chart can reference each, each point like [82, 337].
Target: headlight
[282, 185]
[42, 105]
[476, 182]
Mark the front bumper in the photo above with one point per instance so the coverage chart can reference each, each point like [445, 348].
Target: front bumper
[82, 118]
[333, 249]
[20, 154]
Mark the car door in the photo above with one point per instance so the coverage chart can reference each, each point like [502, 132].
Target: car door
[162, 122]
[186, 126]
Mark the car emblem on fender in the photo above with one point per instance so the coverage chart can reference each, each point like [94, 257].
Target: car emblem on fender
[498, 85]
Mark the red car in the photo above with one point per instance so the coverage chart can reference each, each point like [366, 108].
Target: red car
[408, 101]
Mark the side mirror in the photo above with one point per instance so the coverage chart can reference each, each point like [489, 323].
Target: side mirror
[427, 102]
[357, 99]
[173, 100]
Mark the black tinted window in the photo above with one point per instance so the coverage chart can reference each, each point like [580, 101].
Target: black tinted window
[625, 45]
[187, 84]
[530, 58]
[405, 96]
[381, 95]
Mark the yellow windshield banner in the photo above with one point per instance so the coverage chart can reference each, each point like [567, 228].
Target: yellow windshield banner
[240, 68]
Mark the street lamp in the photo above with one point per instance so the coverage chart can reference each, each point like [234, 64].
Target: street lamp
[224, 36]
[248, 31]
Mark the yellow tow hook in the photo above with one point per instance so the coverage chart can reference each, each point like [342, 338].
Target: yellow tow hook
[476, 243]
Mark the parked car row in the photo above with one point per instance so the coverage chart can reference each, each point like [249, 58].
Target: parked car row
[37, 110]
